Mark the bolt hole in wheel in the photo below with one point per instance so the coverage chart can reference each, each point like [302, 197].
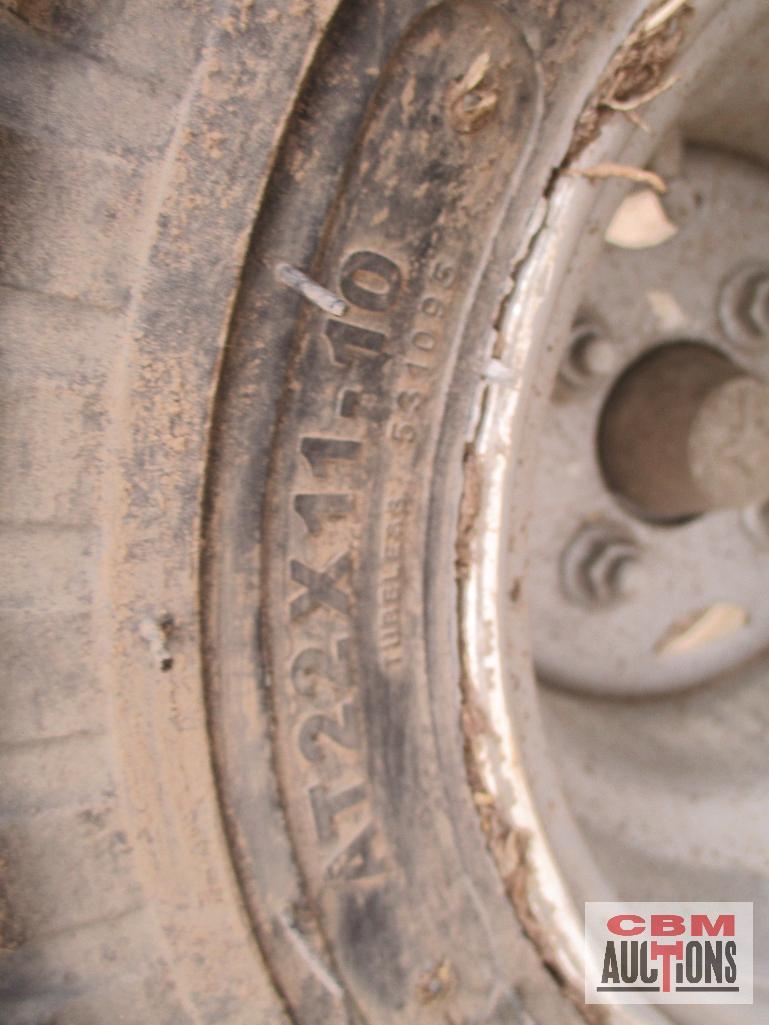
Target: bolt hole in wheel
[644, 607]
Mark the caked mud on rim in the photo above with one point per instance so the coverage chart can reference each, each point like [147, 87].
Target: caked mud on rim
[644, 781]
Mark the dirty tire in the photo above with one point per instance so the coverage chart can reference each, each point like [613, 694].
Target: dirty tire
[234, 784]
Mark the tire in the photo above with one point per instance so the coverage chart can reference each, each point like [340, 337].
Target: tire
[235, 778]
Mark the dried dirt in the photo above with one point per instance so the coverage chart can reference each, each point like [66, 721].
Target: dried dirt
[637, 72]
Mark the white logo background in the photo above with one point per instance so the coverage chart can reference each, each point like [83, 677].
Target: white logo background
[684, 991]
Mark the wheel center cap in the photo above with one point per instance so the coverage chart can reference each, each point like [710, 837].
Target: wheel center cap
[685, 431]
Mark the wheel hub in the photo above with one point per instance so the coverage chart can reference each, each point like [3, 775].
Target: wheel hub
[655, 458]
[684, 431]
